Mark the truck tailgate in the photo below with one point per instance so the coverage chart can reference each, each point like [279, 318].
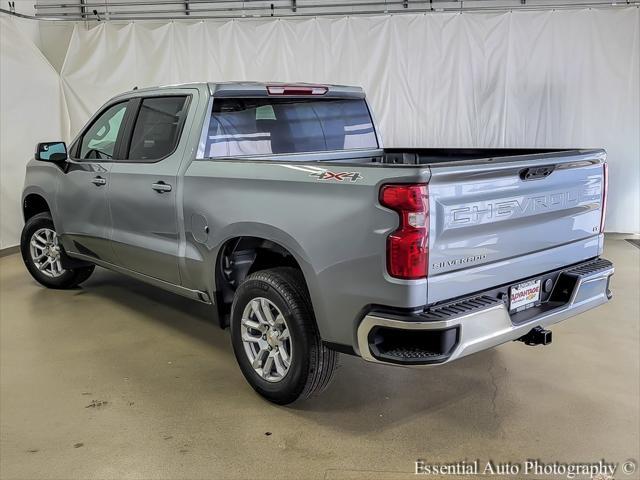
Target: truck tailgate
[500, 220]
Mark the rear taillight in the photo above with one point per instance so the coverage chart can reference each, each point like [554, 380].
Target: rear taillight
[605, 187]
[297, 90]
[408, 246]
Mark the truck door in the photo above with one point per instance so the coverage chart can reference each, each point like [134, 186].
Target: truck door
[82, 194]
[143, 187]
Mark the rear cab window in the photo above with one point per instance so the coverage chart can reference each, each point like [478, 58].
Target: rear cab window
[274, 126]
[157, 128]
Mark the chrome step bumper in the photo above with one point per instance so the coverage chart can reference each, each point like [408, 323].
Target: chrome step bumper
[480, 322]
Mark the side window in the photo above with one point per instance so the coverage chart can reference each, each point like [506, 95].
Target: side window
[157, 128]
[99, 141]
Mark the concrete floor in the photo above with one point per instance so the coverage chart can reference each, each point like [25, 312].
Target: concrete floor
[120, 380]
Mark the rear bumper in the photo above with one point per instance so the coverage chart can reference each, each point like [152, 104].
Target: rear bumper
[457, 329]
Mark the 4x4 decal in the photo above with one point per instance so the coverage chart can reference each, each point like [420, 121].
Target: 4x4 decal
[337, 176]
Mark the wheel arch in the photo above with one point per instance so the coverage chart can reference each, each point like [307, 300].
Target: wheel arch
[33, 204]
[239, 257]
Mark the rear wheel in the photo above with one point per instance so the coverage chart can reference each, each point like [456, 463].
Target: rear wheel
[42, 254]
[275, 338]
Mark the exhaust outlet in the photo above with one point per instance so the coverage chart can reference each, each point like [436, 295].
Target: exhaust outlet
[537, 336]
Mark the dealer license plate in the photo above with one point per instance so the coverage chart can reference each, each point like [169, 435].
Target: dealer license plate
[524, 295]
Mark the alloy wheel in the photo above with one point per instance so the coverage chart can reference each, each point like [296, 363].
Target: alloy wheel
[266, 339]
[45, 252]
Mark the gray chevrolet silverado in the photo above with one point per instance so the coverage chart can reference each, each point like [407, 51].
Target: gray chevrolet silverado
[278, 205]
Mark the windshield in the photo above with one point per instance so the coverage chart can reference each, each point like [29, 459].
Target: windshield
[268, 126]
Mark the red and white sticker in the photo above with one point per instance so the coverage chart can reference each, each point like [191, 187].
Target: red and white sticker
[524, 295]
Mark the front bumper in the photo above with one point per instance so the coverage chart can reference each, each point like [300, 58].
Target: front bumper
[456, 329]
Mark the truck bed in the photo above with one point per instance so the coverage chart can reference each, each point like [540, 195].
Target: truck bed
[427, 156]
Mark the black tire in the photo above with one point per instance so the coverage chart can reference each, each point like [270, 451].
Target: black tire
[70, 278]
[312, 364]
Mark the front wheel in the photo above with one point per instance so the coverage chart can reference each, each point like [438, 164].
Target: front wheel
[42, 255]
[275, 338]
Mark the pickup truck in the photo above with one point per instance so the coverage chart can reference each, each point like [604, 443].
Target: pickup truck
[278, 205]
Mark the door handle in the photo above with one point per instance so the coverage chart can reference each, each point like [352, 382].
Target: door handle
[99, 181]
[161, 187]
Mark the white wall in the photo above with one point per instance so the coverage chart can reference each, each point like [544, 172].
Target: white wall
[24, 7]
[540, 79]
[111, 9]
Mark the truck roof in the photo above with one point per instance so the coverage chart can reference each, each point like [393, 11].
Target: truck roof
[258, 89]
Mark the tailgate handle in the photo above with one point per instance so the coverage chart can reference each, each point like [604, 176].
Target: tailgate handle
[536, 173]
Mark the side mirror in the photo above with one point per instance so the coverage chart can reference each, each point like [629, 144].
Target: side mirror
[51, 152]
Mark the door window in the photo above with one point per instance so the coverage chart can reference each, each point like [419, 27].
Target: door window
[158, 127]
[99, 141]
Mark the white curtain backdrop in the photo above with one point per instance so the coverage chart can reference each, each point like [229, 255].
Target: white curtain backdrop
[564, 78]
[32, 110]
